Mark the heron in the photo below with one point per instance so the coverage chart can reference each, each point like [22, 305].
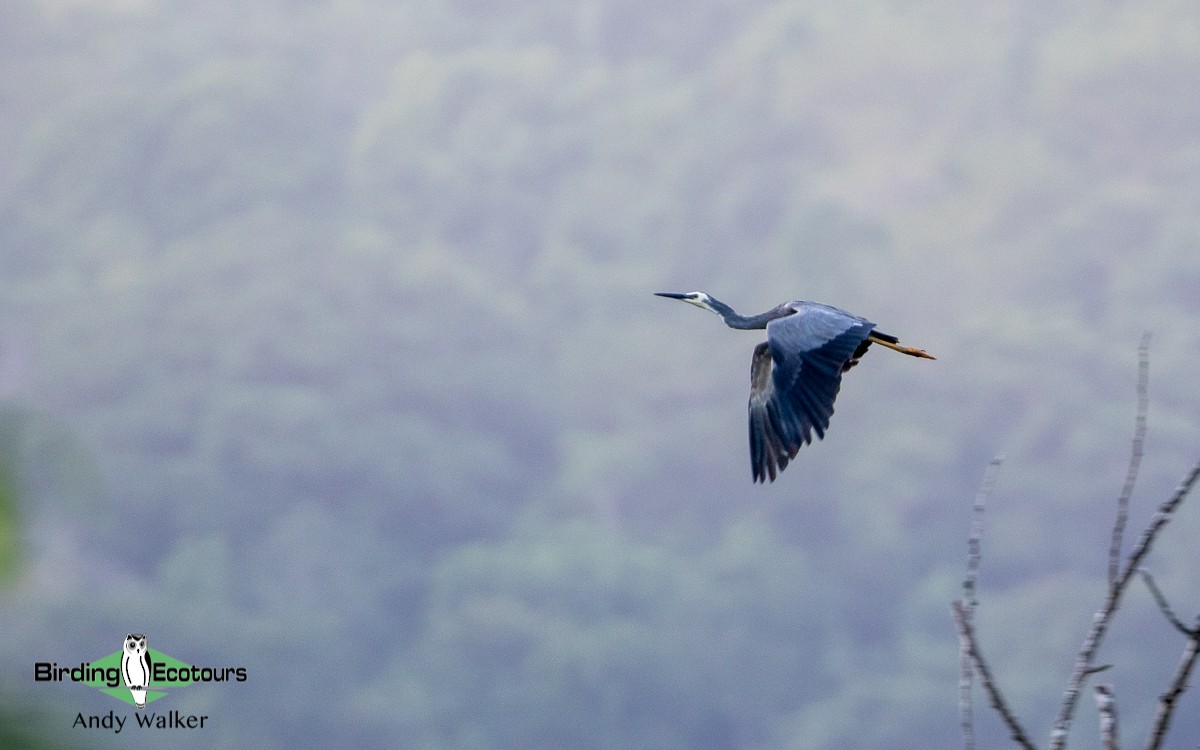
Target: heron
[796, 374]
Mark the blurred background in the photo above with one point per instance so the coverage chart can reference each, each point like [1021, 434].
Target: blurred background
[327, 349]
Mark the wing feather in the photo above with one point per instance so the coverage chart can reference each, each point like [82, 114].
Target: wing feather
[795, 377]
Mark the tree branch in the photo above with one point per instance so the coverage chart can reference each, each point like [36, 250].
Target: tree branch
[1166, 705]
[1163, 604]
[1135, 459]
[967, 636]
[975, 538]
[966, 671]
[1102, 618]
[974, 547]
[1106, 705]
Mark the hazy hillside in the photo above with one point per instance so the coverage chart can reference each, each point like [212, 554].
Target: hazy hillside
[327, 348]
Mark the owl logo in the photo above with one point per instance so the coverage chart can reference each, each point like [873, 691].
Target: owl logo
[135, 667]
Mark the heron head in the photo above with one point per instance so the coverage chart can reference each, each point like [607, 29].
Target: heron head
[699, 299]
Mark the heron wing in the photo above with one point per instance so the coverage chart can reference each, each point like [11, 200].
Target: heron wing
[767, 443]
[795, 377]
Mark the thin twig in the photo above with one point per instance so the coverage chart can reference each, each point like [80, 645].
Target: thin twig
[1166, 705]
[1160, 519]
[967, 634]
[975, 539]
[1163, 605]
[1106, 705]
[1135, 459]
[966, 673]
[974, 547]
[1102, 618]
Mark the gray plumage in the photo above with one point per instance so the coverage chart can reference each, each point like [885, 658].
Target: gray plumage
[795, 375]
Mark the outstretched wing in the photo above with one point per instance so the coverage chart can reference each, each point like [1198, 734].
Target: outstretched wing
[795, 377]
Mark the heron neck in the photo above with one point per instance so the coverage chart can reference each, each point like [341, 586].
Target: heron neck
[743, 322]
[750, 322]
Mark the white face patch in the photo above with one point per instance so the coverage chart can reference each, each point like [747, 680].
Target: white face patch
[699, 299]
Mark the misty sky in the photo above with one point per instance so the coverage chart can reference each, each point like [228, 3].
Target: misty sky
[328, 347]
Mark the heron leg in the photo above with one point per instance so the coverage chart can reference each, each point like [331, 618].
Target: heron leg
[911, 351]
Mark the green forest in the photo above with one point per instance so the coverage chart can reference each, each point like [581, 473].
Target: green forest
[328, 349]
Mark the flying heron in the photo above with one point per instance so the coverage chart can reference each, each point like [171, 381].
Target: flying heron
[796, 373]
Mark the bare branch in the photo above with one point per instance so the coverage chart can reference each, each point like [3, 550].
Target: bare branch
[1160, 519]
[1102, 618]
[975, 539]
[974, 546]
[1163, 605]
[1106, 705]
[1135, 460]
[966, 671]
[967, 636]
[1166, 705]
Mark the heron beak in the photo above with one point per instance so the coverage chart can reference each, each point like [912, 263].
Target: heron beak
[670, 295]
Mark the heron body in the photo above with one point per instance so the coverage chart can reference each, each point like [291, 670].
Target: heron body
[795, 375]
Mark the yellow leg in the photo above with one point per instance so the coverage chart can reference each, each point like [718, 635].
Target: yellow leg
[909, 350]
